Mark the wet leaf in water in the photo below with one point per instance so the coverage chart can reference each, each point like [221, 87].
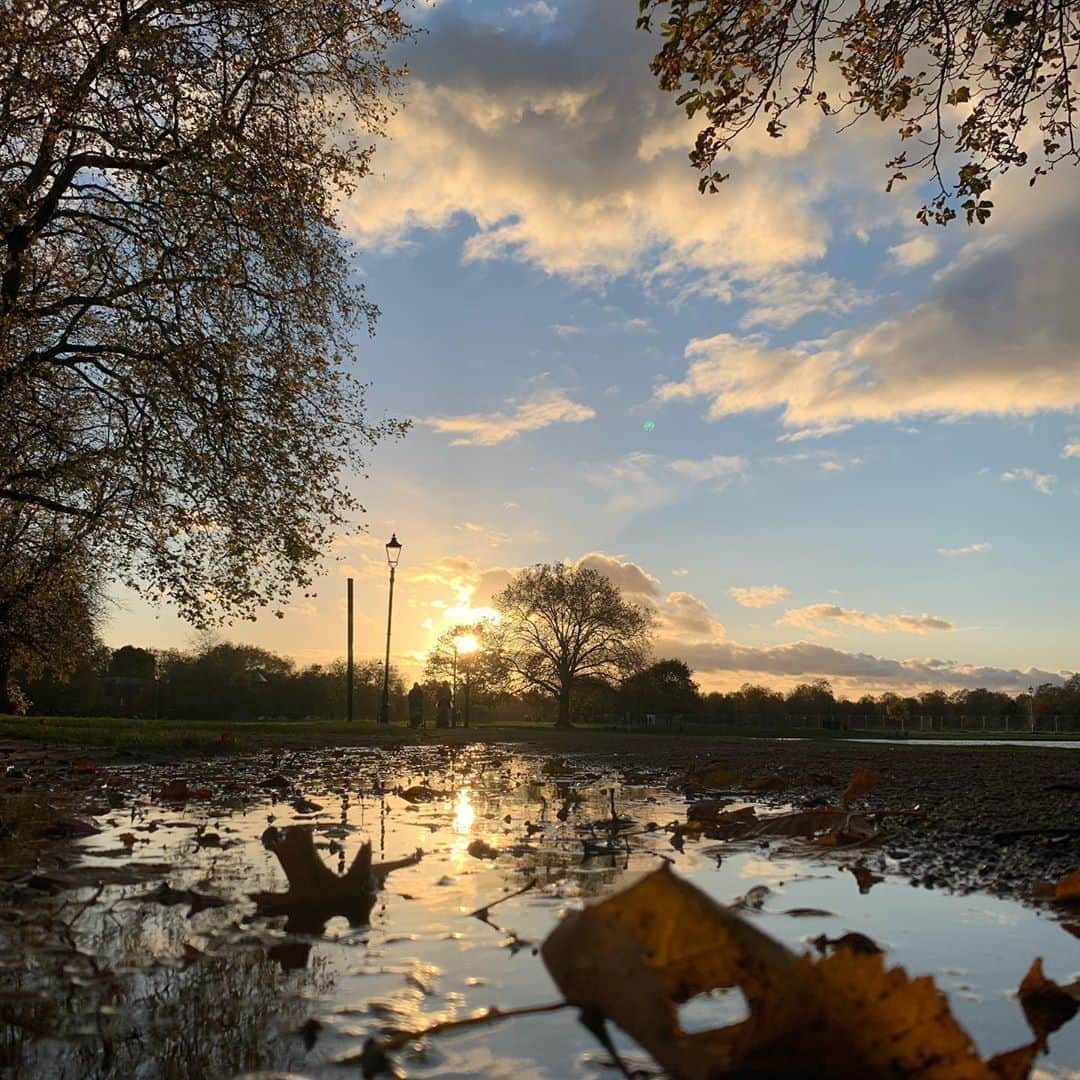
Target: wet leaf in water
[481, 849]
[714, 775]
[1068, 888]
[862, 781]
[1046, 1004]
[852, 940]
[865, 878]
[636, 955]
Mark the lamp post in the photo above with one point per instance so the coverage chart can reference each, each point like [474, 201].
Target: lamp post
[1031, 707]
[393, 553]
[466, 645]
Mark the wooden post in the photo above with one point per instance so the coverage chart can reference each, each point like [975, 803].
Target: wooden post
[349, 660]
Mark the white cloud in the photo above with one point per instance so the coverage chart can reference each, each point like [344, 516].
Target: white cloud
[997, 339]
[566, 329]
[564, 154]
[821, 617]
[969, 549]
[917, 251]
[1071, 450]
[716, 467]
[641, 481]
[1041, 482]
[758, 596]
[544, 408]
[819, 432]
[680, 572]
[628, 576]
[537, 8]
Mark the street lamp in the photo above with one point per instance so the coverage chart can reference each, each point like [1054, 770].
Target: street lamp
[393, 553]
[1031, 708]
[465, 645]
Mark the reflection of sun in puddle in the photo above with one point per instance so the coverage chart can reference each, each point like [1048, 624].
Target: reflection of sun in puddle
[464, 813]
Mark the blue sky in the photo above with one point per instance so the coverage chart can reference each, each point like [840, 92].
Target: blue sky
[815, 437]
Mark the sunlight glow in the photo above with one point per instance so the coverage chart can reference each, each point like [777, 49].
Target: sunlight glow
[464, 813]
[466, 644]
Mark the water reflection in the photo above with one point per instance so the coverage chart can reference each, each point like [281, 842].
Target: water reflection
[108, 984]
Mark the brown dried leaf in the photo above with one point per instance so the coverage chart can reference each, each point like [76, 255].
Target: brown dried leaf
[862, 780]
[633, 957]
[714, 775]
[1068, 888]
[1046, 1004]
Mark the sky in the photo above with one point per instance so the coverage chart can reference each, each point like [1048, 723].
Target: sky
[816, 438]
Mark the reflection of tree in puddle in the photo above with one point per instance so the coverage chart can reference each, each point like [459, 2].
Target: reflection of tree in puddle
[103, 1006]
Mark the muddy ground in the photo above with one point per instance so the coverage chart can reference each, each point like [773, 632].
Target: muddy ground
[996, 818]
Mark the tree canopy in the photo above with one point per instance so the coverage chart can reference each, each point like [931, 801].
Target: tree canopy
[974, 87]
[176, 299]
[563, 624]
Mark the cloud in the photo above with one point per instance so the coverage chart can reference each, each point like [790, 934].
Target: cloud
[998, 338]
[862, 670]
[1041, 482]
[537, 8]
[566, 329]
[680, 572]
[758, 596]
[821, 616]
[917, 251]
[493, 536]
[813, 433]
[641, 481]
[561, 152]
[1071, 450]
[627, 576]
[716, 467]
[685, 615]
[969, 549]
[544, 408]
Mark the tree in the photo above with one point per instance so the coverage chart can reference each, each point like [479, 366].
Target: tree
[561, 624]
[962, 80]
[50, 598]
[176, 302]
[486, 666]
[666, 687]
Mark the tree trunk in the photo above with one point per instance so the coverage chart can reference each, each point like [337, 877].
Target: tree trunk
[6, 704]
[564, 708]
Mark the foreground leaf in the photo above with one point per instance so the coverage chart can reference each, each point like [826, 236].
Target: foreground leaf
[635, 956]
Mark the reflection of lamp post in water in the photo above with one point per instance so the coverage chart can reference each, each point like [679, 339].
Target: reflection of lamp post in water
[393, 553]
[466, 645]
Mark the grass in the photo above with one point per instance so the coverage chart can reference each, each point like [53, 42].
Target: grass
[150, 738]
[177, 736]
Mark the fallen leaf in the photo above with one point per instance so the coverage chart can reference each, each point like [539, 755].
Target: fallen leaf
[713, 775]
[865, 878]
[706, 809]
[844, 825]
[862, 781]
[753, 899]
[1068, 888]
[852, 940]
[176, 790]
[83, 765]
[481, 849]
[1046, 1004]
[635, 956]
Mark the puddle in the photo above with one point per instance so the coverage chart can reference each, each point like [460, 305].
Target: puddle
[106, 983]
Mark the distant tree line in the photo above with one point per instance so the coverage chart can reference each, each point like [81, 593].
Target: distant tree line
[567, 648]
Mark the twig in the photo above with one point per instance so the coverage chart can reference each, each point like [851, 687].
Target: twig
[377, 1047]
[482, 912]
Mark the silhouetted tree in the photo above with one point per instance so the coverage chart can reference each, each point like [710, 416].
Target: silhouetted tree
[176, 299]
[561, 624]
[666, 688]
[964, 81]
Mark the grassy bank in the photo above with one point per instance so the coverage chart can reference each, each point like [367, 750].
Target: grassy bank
[148, 737]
